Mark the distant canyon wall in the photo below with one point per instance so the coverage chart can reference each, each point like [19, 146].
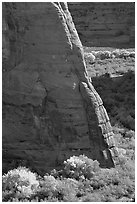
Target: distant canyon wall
[104, 23]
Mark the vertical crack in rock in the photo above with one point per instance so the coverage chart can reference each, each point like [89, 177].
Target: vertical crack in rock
[100, 130]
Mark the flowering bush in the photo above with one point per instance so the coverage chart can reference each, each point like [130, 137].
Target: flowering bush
[68, 189]
[60, 189]
[49, 186]
[20, 181]
[80, 167]
[103, 185]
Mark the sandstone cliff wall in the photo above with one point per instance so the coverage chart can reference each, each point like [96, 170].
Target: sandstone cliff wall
[105, 23]
[50, 108]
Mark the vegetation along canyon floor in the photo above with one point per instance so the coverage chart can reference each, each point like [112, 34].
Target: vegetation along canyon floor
[80, 178]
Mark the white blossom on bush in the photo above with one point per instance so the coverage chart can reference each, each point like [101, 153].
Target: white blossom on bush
[50, 183]
[20, 179]
[80, 167]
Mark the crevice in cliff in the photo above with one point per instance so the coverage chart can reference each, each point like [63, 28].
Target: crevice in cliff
[100, 131]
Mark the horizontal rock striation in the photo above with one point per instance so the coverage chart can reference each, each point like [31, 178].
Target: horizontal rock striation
[104, 23]
[50, 108]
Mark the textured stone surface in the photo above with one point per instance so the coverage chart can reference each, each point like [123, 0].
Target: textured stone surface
[105, 23]
[50, 108]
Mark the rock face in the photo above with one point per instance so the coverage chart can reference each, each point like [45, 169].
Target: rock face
[105, 23]
[50, 108]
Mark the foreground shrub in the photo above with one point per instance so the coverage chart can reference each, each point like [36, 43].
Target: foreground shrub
[80, 167]
[68, 190]
[91, 183]
[48, 187]
[53, 189]
[20, 182]
[91, 197]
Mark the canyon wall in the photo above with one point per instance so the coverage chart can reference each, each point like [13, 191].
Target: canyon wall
[50, 108]
[105, 23]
